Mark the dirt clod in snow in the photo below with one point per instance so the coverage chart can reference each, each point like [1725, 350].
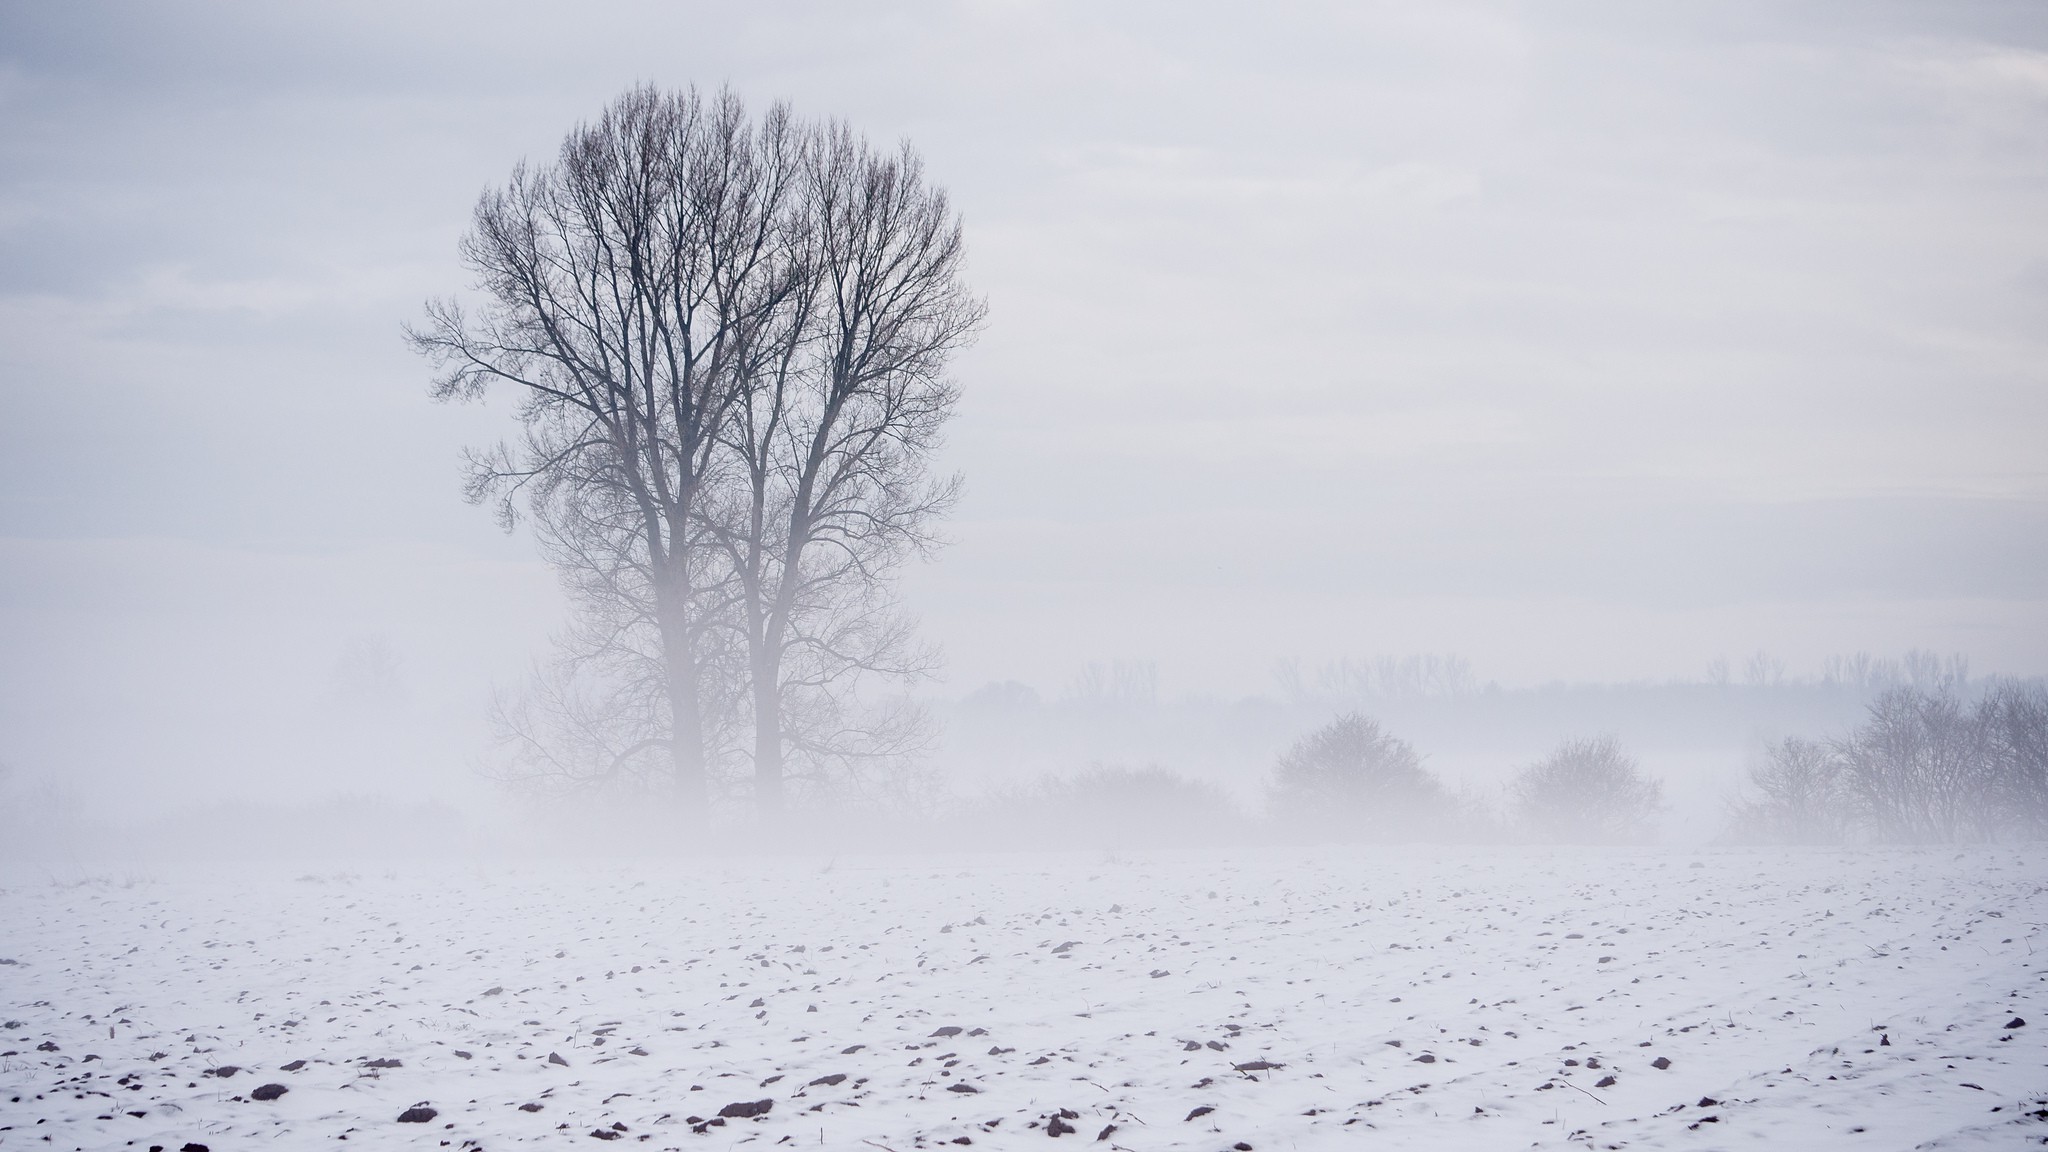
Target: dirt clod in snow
[746, 1109]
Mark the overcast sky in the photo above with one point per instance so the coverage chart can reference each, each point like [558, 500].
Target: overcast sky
[1586, 341]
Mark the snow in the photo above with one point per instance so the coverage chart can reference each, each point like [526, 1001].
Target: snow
[1294, 999]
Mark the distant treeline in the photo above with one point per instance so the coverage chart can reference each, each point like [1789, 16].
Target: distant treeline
[1117, 713]
[1426, 675]
[1907, 750]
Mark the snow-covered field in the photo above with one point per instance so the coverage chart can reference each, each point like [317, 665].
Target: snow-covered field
[1263, 999]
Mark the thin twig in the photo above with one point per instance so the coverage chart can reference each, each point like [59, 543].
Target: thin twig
[1582, 1091]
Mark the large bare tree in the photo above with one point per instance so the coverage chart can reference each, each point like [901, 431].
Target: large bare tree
[624, 284]
[834, 442]
[730, 342]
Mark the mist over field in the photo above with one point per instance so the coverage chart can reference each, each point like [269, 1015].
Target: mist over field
[1448, 576]
[1105, 761]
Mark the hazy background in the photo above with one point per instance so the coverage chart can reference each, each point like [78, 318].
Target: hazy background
[1586, 342]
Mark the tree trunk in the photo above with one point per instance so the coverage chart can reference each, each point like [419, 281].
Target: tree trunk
[767, 737]
[686, 715]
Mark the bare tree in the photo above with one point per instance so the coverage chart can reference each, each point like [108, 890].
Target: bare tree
[730, 341]
[625, 283]
[834, 440]
[1763, 670]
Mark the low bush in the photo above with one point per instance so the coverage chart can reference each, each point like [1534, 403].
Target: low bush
[1587, 791]
[1352, 780]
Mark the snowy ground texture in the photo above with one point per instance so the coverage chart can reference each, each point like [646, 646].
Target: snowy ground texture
[1270, 1000]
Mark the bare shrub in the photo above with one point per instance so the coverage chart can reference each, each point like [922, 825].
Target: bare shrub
[2014, 717]
[1796, 796]
[1925, 767]
[1917, 771]
[1586, 791]
[1352, 780]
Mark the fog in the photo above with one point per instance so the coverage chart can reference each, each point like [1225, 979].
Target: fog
[1588, 346]
[1418, 464]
